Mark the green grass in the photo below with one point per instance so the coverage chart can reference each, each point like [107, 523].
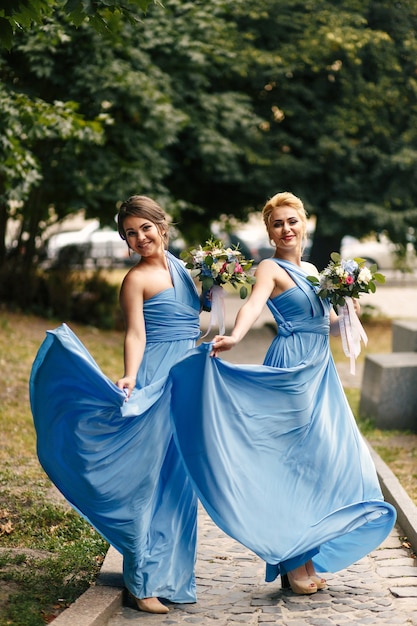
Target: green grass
[58, 556]
[49, 555]
[63, 558]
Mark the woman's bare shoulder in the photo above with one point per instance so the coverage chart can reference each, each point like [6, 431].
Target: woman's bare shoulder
[134, 278]
[268, 267]
[268, 264]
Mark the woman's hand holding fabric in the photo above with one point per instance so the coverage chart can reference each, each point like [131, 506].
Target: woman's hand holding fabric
[127, 384]
[221, 343]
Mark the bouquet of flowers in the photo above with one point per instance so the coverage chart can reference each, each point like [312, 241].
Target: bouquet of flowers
[216, 266]
[341, 281]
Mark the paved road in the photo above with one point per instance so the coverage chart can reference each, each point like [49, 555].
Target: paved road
[381, 589]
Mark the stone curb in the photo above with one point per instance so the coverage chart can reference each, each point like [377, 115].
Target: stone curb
[101, 601]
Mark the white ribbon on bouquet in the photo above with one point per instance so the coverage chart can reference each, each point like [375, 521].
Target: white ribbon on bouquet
[218, 310]
[351, 332]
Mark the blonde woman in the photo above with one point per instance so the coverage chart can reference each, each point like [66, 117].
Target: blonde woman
[281, 467]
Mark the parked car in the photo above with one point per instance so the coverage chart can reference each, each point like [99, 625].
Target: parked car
[92, 246]
[89, 246]
[251, 237]
[380, 251]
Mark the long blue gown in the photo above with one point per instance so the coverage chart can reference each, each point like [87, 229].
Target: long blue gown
[116, 461]
[274, 452]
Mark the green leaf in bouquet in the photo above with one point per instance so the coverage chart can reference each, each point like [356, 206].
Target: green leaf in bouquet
[207, 283]
[247, 265]
[230, 267]
[380, 278]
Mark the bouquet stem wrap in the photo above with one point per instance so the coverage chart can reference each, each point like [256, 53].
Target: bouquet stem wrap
[351, 332]
[218, 310]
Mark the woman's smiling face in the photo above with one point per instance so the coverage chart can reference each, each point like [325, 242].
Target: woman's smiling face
[142, 235]
[286, 229]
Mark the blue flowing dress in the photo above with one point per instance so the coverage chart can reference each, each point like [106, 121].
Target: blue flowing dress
[273, 450]
[115, 461]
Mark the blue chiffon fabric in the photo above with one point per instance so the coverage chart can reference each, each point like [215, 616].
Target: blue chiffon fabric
[274, 452]
[115, 461]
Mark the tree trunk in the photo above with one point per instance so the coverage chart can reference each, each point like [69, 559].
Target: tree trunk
[4, 214]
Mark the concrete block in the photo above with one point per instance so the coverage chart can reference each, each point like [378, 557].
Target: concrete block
[404, 336]
[389, 390]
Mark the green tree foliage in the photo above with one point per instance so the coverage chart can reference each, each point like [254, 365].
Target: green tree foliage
[32, 130]
[57, 62]
[176, 127]
[317, 97]
[213, 107]
[18, 14]
[340, 95]
[216, 164]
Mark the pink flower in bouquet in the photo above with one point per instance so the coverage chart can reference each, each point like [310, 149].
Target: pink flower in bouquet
[238, 269]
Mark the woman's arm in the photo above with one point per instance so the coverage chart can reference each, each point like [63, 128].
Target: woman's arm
[131, 302]
[250, 311]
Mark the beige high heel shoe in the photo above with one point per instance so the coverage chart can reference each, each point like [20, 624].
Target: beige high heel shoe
[320, 582]
[151, 605]
[300, 587]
